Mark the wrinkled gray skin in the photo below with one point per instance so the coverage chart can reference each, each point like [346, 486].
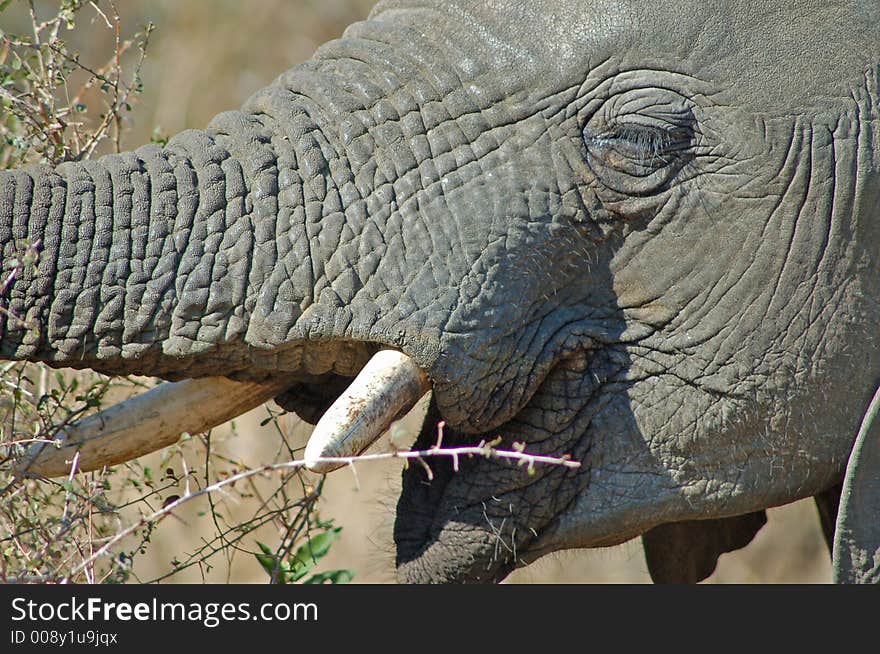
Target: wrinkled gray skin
[641, 233]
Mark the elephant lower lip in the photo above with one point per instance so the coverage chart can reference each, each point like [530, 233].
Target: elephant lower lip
[440, 539]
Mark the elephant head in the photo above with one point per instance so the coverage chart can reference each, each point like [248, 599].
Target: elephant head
[640, 234]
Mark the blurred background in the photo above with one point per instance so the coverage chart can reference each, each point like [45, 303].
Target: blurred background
[206, 56]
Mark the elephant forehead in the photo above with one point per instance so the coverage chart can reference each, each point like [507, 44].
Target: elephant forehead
[772, 57]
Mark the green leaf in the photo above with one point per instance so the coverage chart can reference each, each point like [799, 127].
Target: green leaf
[306, 556]
[3, 5]
[318, 545]
[268, 561]
[333, 576]
[265, 549]
[299, 571]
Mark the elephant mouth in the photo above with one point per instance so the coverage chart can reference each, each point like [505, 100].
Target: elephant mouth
[440, 536]
[474, 520]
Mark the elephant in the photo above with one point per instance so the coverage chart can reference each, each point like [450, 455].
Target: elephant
[640, 235]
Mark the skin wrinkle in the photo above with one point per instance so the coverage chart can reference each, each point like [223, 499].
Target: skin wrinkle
[813, 280]
[255, 260]
[807, 168]
[502, 387]
[699, 306]
[136, 327]
[157, 228]
[421, 73]
[158, 253]
[789, 249]
[83, 304]
[447, 122]
[194, 302]
[51, 198]
[109, 322]
[18, 186]
[695, 315]
[420, 63]
[22, 192]
[180, 214]
[187, 240]
[67, 269]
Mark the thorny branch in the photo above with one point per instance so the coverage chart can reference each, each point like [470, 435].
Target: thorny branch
[483, 449]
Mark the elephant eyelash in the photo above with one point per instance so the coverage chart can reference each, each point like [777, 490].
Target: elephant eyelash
[646, 145]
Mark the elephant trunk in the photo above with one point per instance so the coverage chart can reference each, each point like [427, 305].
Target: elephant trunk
[145, 262]
[146, 259]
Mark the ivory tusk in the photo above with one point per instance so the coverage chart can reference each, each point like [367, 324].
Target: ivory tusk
[148, 422]
[388, 386]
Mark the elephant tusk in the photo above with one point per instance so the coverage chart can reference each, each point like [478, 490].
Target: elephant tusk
[147, 422]
[388, 386]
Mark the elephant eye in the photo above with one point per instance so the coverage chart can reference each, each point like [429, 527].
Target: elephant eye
[639, 155]
[640, 150]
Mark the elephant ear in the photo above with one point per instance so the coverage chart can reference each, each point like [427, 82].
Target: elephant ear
[856, 554]
[687, 552]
